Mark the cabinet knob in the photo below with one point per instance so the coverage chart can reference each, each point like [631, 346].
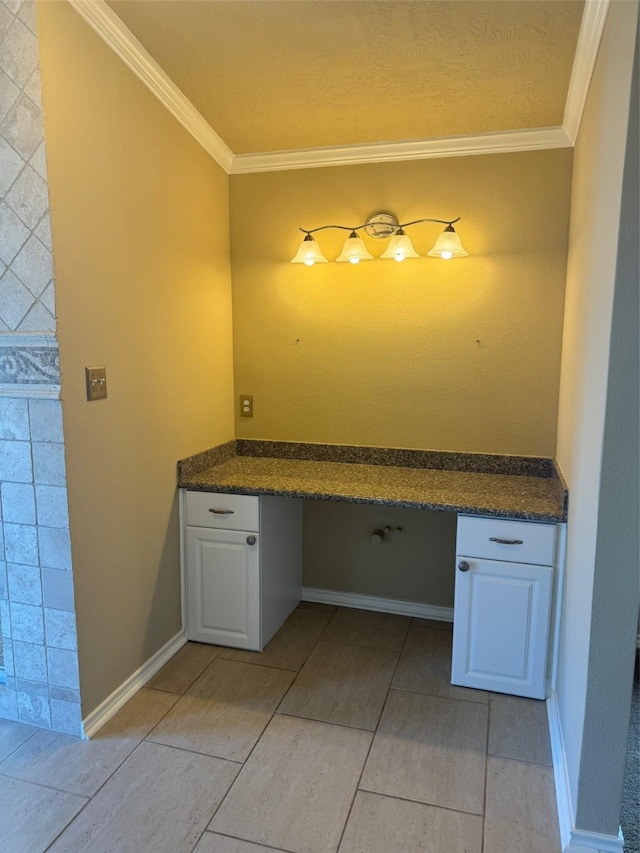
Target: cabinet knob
[251, 540]
[463, 566]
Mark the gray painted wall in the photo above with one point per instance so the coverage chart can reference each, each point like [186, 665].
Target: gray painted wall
[591, 276]
[416, 564]
[616, 580]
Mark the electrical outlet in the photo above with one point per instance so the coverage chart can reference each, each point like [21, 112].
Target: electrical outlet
[246, 405]
[96, 382]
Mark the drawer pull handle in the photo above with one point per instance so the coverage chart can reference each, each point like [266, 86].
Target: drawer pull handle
[251, 540]
[463, 566]
[506, 541]
[222, 511]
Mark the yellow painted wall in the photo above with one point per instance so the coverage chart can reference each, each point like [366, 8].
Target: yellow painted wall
[141, 243]
[459, 355]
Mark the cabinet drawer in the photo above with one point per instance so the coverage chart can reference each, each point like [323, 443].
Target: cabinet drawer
[228, 512]
[509, 541]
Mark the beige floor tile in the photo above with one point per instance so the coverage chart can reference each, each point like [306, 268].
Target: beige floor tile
[211, 842]
[291, 645]
[225, 711]
[296, 789]
[185, 666]
[430, 749]
[518, 728]
[160, 799]
[425, 666]
[341, 684]
[13, 735]
[32, 816]
[366, 628]
[82, 766]
[521, 808]
[385, 825]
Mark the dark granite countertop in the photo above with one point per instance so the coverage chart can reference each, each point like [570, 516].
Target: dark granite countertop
[477, 484]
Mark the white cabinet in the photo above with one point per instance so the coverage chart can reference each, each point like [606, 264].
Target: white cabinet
[504, 583]
[242, 557]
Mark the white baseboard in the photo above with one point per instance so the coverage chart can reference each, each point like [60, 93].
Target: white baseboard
[112, 704]
[572, 840]
[375, 602]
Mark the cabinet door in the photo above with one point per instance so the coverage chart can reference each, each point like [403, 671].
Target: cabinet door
[223, 588]
[500, 626]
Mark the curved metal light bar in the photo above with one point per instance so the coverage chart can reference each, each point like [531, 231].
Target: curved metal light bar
[381, 226]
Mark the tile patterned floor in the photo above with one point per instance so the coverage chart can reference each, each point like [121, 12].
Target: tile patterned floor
[344, 736]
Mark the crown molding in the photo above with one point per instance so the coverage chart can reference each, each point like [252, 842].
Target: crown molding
[414, 149]
[589, 38]
[121, 40]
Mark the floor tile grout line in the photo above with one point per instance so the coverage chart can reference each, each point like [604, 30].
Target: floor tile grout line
[418, 802]
[347, 645]
[254, 663]
[147, 739]
[373, 737]
[393, 675]
[304, 663]
[518, 760]
[267, 724]
[245, 762]
[36, 731]
[67, 825]
[246, 840]
[48, 787]
[94, 795]
[168, 711]
[355, 792]
[365, 645]
[486, 772]
[110, 776]
[325, 722]
[440, 696]
[285, 669]
[191, 683]
[115, 770]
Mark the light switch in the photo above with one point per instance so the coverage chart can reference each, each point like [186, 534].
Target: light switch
[96, 382]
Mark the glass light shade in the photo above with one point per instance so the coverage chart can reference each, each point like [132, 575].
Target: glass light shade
[354, 250]
[309, 253]
[448, 245]
[400, 248]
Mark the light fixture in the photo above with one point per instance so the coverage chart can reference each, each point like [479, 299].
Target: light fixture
[400, 247]
[448, 245]
[309, 253]
[354, 250]
[381, 226]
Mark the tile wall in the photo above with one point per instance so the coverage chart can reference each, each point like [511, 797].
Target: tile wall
[37, 611]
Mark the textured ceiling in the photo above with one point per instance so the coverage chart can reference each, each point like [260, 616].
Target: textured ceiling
[272, 75]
